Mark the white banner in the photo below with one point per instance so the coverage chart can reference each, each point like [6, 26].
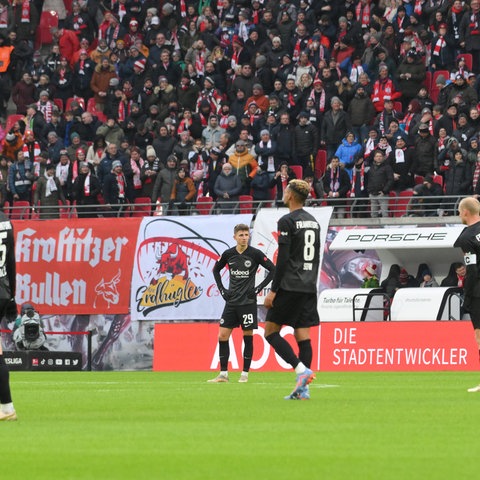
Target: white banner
[172, 273]
[401, 237]
[265, 235]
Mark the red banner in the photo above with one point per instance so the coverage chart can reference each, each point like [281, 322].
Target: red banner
[376, 346]
[80, 267]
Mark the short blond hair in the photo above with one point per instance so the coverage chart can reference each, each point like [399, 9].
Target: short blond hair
[471, 205]
[300, 188]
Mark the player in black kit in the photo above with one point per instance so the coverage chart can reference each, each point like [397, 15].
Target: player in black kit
[469, 242]
[292, 299]
[241, 298]
[8, 309]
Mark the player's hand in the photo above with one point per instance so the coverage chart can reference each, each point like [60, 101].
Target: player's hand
[225, 294]
[269, 299]
[11, 310]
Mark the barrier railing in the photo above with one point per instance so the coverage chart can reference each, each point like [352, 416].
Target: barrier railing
[398, 206]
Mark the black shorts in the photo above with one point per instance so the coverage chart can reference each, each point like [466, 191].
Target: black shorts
[474, 310]
[296, 309]
[244, 316]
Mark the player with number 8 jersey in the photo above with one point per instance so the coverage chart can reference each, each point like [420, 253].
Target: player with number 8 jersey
[293, 297]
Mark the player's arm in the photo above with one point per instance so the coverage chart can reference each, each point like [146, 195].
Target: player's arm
[217, 268]
[270, 267]
[471, 278]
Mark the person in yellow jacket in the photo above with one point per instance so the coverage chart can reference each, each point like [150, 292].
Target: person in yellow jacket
[244, 165]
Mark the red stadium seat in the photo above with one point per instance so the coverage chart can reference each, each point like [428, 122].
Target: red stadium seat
[204, 205]
[320, 164]
[12, 119]
[402, 203]
[80, 100]
[245, 203]
[297, 170]
[48, 19]
[142, 207]
[397, 106]
[20, 210]
[93, 110]
[58, 103]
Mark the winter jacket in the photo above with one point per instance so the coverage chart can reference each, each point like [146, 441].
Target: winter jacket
[332, 131]
[183, 190]
[361, 110]
[410, 86]
[244, 165]
[230, 184]
[164, 184]
[306, 140]
[101, 81]
[458, 179]
[380, 178]
[347, 152]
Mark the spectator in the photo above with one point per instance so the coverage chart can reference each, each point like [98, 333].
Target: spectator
[401, 159]
[54, 147]
[62, 78]
[266, 150]
[280, 181]
[183, 193]
[392, 283]
[260, 186]
[68, 42]
[410, 75]
[211, 133]
[149, 171]
[336, 184]
[116, 190]
[215, 161]
[458, 181]
[228, 187]
[48, 193]
[407, 280]
[100, 82]
[455, 276]
[12, 143]
[20, 178]
[112, 132]
[336, 123]
[370, 280]
[384, 89]
[244, 165]
[164, 144]
[425, 152]
[427, 279]
[23, 93]
[162, 189]
[380, 183]
[361, 112]
[306, 142]
[348, 151]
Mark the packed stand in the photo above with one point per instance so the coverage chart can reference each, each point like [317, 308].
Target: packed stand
[373, 102]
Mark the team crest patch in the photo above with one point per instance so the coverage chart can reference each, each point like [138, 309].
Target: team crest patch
[248, 263]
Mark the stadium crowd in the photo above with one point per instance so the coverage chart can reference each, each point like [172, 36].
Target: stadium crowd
[174, 101]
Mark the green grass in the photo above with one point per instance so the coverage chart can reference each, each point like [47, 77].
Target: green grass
[147, 425]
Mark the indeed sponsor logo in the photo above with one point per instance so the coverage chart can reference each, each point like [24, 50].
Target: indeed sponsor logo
[239, 273]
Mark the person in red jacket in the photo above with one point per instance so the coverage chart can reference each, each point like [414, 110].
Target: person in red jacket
[383, 89]
[67, 41]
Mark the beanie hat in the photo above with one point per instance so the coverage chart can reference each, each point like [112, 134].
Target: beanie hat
[116, 163]
[140, 64]
[151, 151]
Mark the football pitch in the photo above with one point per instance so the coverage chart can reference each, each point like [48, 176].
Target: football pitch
[151, 425]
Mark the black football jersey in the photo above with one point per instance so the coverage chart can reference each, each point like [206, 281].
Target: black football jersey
[242, 268]
[299, 233]
[469, 242]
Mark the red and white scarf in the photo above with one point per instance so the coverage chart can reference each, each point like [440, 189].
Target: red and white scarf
[439, 44]
[417, 9]
[321, 103]
[46, 109]
[356, 172]
[408, 120]
[86, 185]
[121, 185]
[183, 9]
[476, 176]
[334, 179]
[296, 50]
[363, 14]
[25, 12]
[200, 63]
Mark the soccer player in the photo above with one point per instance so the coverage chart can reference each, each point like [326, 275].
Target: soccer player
[469, 242]
[292, 299]
[241, 298]
[8, 308]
